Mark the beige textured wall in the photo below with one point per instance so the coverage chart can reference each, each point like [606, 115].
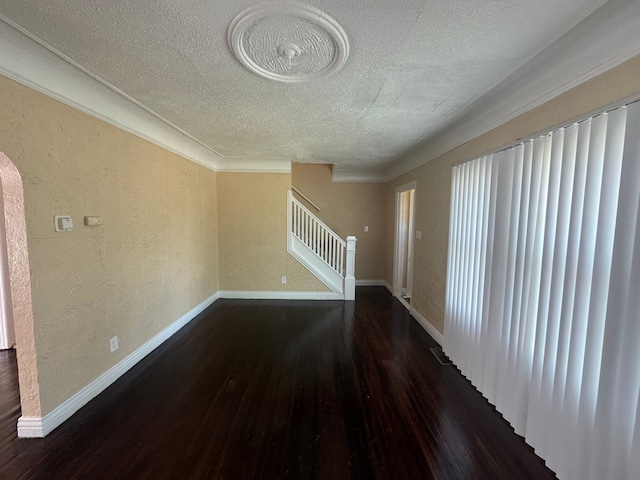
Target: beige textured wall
[346, 208]
[153, 259]
[434, 179]
[252, 218]
[430, 252]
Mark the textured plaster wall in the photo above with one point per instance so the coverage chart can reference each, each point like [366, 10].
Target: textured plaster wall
[346, 208]
[152, 260]
[434, 179]
[14, 230]
[252, 221]
[430, 252]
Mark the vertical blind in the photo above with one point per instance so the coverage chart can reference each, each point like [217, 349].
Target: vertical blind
[542, 310]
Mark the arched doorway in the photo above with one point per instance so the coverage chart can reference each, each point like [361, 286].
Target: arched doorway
[7, 330]
[16, 285]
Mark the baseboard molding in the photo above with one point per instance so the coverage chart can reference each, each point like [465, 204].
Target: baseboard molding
[39, 427]
[260, 295]
[369, 283]
[388, 287]
[431, 330]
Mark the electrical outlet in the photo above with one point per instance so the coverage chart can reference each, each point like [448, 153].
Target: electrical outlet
[113, 344]
[366, 228]
[284, 279]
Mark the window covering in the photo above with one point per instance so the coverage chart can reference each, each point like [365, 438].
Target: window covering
[542, 310]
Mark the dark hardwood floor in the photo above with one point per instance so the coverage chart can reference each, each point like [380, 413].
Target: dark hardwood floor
[279, 390]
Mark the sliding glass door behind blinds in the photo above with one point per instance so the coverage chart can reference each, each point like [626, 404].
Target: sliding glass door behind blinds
[543, 291]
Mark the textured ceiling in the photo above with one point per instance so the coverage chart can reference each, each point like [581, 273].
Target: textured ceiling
[412, 67]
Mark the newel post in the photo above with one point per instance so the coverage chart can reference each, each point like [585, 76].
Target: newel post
[349, 278]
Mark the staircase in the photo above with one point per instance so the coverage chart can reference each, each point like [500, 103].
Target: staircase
[318, 248]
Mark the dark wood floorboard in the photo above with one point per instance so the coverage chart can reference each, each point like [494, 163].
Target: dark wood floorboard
[279, 390]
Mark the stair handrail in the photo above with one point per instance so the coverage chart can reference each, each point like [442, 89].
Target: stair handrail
[307, 199]
[322, 224]
[345, 259]
[336, 255]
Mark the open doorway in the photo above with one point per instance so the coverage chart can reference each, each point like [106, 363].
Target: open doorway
[15, 291]
[403, 252]
[7, 328]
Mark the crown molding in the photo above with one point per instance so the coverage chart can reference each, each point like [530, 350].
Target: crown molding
[602, 41]
[254, 165]
[356, 175]
[36, 65]
[30, 62]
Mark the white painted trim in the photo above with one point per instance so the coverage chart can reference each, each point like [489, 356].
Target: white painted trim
[254, 165]
[355, 175]
[431, 330]
[350, 269]
[315, 264]
[38, 427]
[411, 228]
[388, 286]
[404, 303]
[399, 238]
[35, 64]
[261, 295]
[406, 187]
[600, 42]
[32, 427]
[369, 283]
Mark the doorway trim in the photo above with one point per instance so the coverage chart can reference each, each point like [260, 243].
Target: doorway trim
[399, 238]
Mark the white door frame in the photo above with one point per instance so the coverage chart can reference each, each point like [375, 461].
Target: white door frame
[410, 244]
[400, 241]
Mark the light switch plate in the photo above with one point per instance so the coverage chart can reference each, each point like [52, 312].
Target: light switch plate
[92, 221]
[418, 235]
[63, 223]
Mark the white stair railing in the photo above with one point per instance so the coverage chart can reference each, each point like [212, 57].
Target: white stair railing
[318, 237]
[318, 247]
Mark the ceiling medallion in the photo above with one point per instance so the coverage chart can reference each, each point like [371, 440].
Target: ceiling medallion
[288, 42]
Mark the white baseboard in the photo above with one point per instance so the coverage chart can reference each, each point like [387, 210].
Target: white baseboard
[369, 283]
[31, 427]
[431, 330]
[280, 295]
[39, 427]
[388, 287]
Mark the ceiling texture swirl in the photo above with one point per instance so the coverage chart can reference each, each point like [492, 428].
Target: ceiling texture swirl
[357, 84]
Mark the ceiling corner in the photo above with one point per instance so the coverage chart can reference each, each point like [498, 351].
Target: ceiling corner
[37, 66]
